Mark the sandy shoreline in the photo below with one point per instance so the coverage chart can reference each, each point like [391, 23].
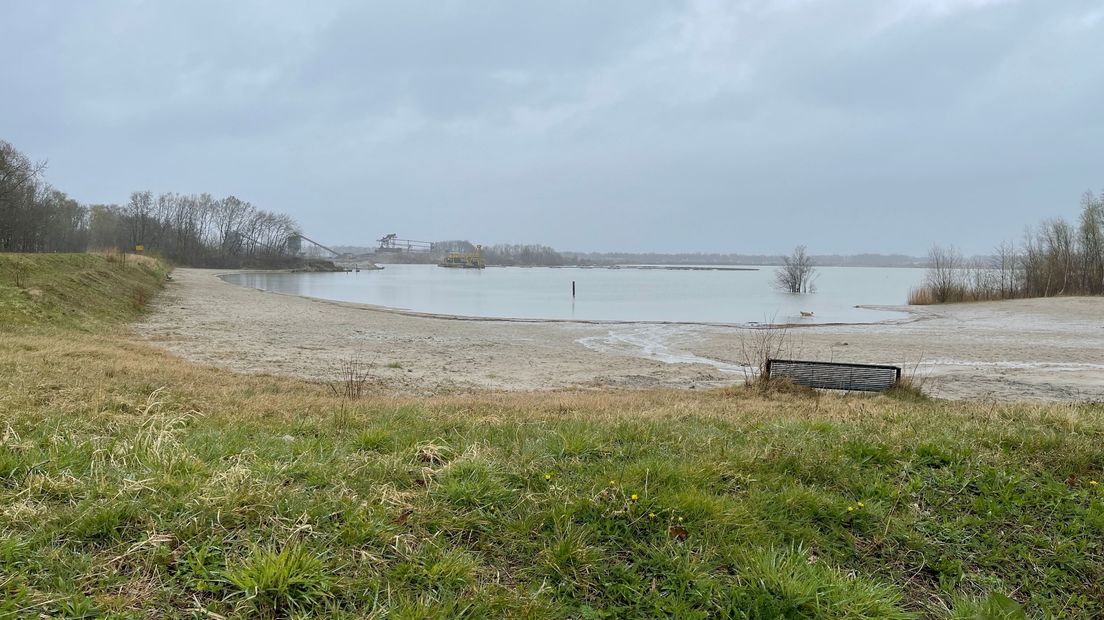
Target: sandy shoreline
[1049, 349]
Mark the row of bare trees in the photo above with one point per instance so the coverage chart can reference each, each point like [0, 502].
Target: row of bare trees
[192, 229]
[1054, 258]
[522, 255]
[505, 254]
[35, 217]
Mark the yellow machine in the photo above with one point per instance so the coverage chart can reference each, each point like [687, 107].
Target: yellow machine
[464, 260]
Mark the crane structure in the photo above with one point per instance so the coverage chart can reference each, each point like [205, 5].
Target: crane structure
[301, 237]
[392, 243]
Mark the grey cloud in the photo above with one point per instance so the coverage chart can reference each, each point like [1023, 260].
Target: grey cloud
[875, 125]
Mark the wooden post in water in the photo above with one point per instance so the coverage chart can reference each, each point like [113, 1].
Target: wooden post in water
[573, 289]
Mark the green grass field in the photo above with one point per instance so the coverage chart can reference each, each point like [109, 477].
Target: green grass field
[134, 484]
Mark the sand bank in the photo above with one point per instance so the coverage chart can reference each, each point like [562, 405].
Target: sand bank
[1021, 350]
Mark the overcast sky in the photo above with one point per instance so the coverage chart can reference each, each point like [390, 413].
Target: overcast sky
[744, 126]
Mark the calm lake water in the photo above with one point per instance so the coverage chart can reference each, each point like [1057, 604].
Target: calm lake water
[624, 294]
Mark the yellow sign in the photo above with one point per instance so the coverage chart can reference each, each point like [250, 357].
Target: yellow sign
[139, 248]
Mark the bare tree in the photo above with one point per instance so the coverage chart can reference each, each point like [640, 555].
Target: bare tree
[139, 209]
[1091, 233]
[944, 277]
[21, 211]
[796, 273]
[1006, 262]
[981, 280]
[760, 344]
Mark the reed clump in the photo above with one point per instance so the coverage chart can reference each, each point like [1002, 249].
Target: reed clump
[926, 295]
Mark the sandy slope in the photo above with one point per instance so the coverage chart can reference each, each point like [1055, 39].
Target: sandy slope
[1032, 349]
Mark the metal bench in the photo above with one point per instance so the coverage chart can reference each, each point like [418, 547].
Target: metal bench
[835, 375]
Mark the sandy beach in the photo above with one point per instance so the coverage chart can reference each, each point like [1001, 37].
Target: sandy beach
[1041, 349]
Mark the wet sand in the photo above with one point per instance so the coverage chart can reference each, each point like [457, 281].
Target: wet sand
[1050, 349]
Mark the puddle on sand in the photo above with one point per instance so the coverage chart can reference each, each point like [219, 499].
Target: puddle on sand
[652, 342]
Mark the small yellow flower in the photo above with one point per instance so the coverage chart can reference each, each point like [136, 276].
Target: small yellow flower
[547, 477]
[651, 515]
[860, 504]
[634, 497]
[680, 519]
[613, 483]
[1092, 483]
[850, 509]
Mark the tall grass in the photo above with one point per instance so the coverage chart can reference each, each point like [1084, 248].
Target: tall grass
[134, 484]
[925, 295]
[75, 291]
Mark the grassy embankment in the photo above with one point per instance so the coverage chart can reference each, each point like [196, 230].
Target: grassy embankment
[135, 484]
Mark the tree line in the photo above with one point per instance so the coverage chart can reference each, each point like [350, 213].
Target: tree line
[501, 254]
[505, 254]
[1056, 257]
[705, 258]
[522, 255]
[191, 229]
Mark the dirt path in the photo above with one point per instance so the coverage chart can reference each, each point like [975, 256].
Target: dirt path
[1032, 349]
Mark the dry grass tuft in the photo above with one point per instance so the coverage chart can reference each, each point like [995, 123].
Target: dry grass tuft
[907, 389]
[760, 344]
[140, 298]
[112, 255]
[921, 296]
[780, 385]
[353, 379]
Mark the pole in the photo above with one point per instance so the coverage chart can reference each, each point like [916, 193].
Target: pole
[573, 289]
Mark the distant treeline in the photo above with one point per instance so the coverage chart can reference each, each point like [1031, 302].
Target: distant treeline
[689, 258]
[192, 229]
[1055, 258]
[522, 255]
[542, 255]
[503, 254]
